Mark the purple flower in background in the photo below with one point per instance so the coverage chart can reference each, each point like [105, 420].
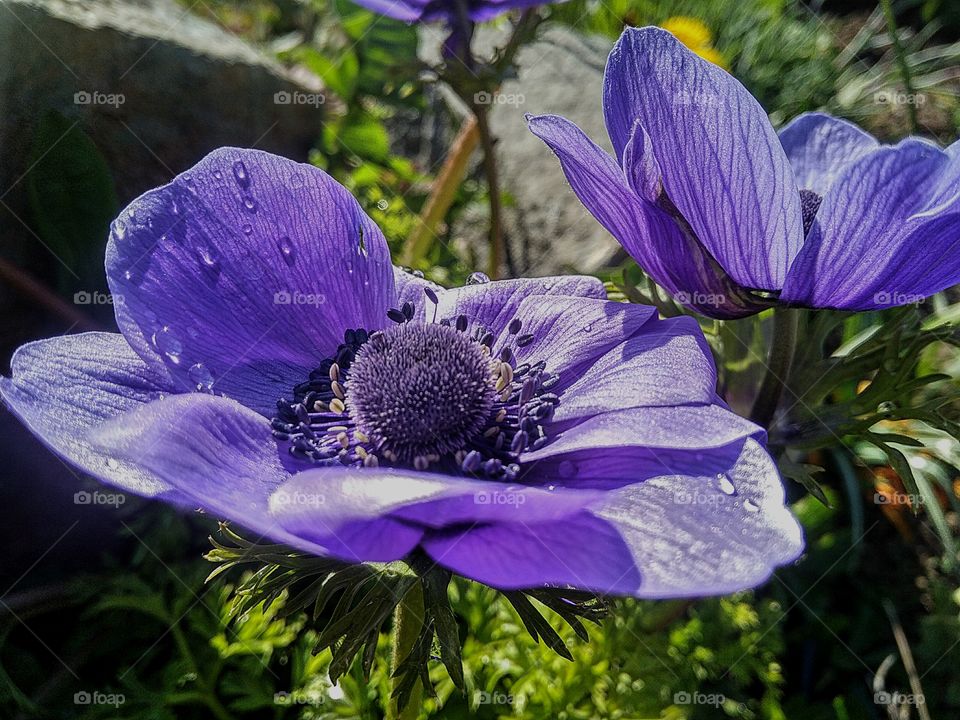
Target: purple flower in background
[449, 11]
[274, 368]
[730, 218]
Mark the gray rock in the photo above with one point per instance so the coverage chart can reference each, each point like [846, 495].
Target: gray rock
[548, 229]
[153, 84]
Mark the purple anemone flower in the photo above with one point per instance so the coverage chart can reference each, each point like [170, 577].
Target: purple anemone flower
[275, 369]
[449, 11]
[730, 218]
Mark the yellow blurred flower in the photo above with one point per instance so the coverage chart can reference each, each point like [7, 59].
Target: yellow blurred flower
[696, 36]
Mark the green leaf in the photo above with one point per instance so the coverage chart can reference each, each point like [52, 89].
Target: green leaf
[364, 136]
[901, 466]
[338, 74]
[71, 197]
[803, 473]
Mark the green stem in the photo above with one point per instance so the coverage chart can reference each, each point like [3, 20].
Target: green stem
[782, 347]
[891, 19]
[407, 623]
[493, 191]
[442, 195]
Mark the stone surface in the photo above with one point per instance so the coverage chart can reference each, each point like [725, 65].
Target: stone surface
[154, 85]
[548, 229]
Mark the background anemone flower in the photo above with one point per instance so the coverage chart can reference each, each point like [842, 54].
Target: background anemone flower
[730, 218]
[520, 432]
[449, 11]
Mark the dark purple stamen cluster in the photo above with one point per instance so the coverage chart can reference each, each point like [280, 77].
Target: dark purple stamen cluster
[809, 205]
[422, 395]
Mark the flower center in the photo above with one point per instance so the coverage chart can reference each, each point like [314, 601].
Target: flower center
[809, 204]
[422, 395]
[421, 390]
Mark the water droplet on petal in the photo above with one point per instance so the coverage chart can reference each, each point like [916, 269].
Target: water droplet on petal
[588, 328]
[241, 174]
[478, 278]
[726, 486]
[217, 175]
[201, 377]
[250, 204]
[287, 249]
[750, 506]
[166, 342]
[113, 463]
[208, 256]
[247, 229]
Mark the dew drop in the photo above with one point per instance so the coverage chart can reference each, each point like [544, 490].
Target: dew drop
[165, 341]
[113, 463]
[588, 328]
[287, 249]
[726, 486]
[478, 278]
[247, 229]
[250, 204]
[119, 230]
[750, 506]
[241, 174]
[208, 256]
[201, 377]
[217, 175]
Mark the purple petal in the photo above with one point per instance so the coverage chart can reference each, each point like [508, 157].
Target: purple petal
[493, 305]
[626, 207]
[244, 272]
[667, 362]
[406, 10]
[706, 534]
[693, 427]
[886, 233]
[820, 147]
[569, 334]
[63, 387]
[722, 164]
[218, 454]
[582, 551]
[413, 289]
[599, 183]
[380, 515]
[483, 10]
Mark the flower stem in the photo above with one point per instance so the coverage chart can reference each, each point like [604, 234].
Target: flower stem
[442, 194]
[493, 190]
[901, 56]
[782, 346]
[407, 623]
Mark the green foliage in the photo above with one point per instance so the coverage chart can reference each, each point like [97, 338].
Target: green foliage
[72, 199]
